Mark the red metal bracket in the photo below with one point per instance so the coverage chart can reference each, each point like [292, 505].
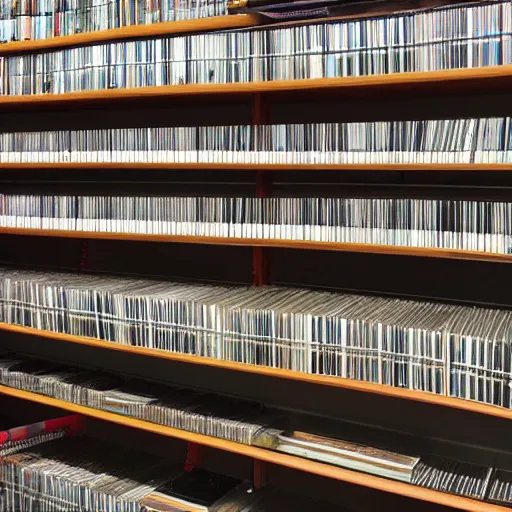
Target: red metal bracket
[84, 256]
[259, 474]
[194, 456]
[260, 265]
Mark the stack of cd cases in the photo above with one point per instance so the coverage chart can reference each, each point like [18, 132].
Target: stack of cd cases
[484, 226]
[459, 351]
[340, 453]
[433, 141]
[42, 19]
[15, 438]
[203, 413]
[87, 475]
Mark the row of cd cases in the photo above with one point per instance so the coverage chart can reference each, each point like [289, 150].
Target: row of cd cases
[43, 19]
[463, 225]
[449, 38]
[447, 141]
[21, 19]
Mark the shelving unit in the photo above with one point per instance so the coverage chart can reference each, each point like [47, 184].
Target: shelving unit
[261, 99]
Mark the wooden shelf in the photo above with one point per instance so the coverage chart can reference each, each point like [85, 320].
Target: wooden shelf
[107, 166]
[308, 466]
[256, 242]
[322, 380]
[132, 32]
[456, 80]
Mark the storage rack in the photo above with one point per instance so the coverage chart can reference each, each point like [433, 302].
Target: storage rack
[261, 95]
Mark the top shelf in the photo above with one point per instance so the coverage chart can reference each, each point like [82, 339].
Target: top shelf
[198, 25]
[133, 32]
[226, 22]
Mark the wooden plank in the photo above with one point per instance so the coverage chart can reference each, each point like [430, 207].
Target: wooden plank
[434, 81]
[308, 466]
[261, 167]
[322, 380]
[132, 32]
[457, 254]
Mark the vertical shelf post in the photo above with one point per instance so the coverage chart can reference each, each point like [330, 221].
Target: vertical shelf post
[260, 268]
[84, 256]
[194, 456]
[259, 474]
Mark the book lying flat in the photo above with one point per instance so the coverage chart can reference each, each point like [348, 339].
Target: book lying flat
[341, 453]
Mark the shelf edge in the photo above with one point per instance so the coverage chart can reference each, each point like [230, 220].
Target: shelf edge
[441, 78]
[424, 252]
[507, 167]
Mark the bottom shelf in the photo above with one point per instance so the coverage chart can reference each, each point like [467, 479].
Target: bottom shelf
[308, 466]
